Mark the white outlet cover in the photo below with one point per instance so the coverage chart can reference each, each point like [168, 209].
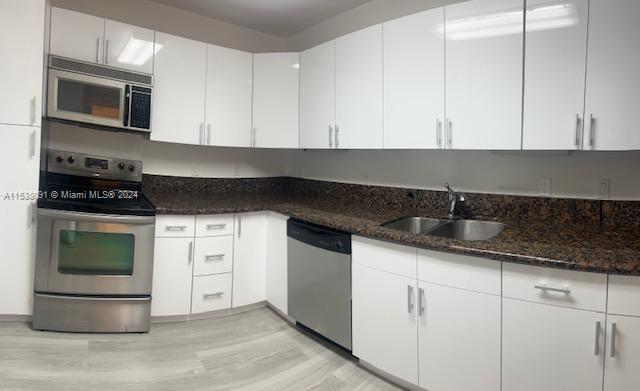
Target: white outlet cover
[604, 188]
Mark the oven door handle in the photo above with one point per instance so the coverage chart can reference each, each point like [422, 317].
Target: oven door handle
[96, 298]
[96, 217]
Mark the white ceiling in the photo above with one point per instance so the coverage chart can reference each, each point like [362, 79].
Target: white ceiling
[282, 18]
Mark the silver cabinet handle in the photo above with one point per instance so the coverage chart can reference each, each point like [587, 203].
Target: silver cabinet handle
[213, 294]
[421, 301]
[190, 252]
[201, 137]
[597, 345]
[98, 49]
[209, 134]
[175, 228]
[33, 110]
[214, 257]
[253, 137]
[449, 133]
[337, 139]
[592, 130]
[409, 298]
[544, 287]
[439, 132]
[330, 136]
[216, 226]
[106, 51]
[239, 226]
[614, 332]
[578, 130]
[32, 146]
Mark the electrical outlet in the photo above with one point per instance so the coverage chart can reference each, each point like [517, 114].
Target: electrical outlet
[604, 188]
[544, 186]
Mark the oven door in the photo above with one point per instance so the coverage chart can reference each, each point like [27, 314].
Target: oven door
[84, 98]
[94, 254]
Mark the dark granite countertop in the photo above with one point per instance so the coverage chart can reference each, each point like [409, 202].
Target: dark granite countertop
[575, 246]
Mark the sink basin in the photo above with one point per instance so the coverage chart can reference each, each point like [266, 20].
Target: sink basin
[415, 225]
[471, 230]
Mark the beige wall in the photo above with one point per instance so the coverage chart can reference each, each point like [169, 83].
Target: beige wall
[171, 20]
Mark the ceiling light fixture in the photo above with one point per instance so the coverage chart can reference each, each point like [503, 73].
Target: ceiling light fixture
[138, 51]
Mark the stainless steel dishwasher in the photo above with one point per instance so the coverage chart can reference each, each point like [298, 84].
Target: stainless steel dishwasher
[319, 279]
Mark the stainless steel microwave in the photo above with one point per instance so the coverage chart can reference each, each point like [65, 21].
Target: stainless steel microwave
[99, 95]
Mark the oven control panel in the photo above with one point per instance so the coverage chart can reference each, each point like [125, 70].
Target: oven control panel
[80, 164]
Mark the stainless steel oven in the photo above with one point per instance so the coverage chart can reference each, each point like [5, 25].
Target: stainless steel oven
[98, 95]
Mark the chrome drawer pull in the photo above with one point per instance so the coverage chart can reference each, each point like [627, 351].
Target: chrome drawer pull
[214, 257]
[409, 298]
[545, 287]
[420, 301]
[216, 226]
[614, 331]
[597, 346]
[214, 294]
[175, 228]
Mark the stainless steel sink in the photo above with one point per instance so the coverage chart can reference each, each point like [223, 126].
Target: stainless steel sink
[470, 230]
[415, 225]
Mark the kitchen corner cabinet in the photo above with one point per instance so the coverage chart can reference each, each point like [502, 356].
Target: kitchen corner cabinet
[414, 81]
[555, 56]
[179, 90]
[276, 282]
[250, 252]
[229, 79]
[21, 43]
[275, 100]
[484, 74]
[613, 76]
[19, 172]
[318, 96]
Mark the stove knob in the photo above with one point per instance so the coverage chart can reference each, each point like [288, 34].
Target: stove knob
[70, 160]
[132, 167]
[59, 159]
[121, 165]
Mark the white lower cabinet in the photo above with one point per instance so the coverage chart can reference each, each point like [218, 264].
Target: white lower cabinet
[384, 319]
[276, 289]
[623, 353]
[172, 275]
[458, 329]
[250, 253]
[211, 293]
[213, 255]
[551, 348]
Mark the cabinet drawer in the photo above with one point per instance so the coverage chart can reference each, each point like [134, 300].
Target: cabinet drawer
[175, 226]
[624, 295]
[557, 287]
[388, 257]
[213, 255]
[214, 225]
[460, 271]
[211, 293]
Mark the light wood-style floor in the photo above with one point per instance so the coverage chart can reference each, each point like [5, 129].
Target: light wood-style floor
[255, 350]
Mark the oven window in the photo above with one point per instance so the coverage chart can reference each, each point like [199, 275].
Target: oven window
[95, 253]
[90, 99]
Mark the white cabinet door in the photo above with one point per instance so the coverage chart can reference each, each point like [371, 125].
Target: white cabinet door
[623, 354]
[551, 348]
[179, 90]
[21, 45]
[172, 276]
[78, 36]
[318, 96]
[229, 89]
[458, 329]
[484, 74]
[19, 169]
[128, 47]
[613, 76]
[384, 316]
[276, 289]
[359, 89]
[555, 56]
[414, 81]
[275, 99]
[249, 260]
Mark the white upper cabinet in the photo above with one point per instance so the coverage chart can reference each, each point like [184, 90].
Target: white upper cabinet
[556, 50]
[275, 99]
[179, 90]
[359, 88]
[21, 45]
[318, 96]
[229, 90]
[78, 36]
[484, 46]
[414, 82]
[613, 76]
[129, 47]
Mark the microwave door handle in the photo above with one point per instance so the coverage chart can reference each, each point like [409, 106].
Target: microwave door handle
[127, 103]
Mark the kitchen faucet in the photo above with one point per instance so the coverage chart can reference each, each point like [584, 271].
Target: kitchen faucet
[456, 201]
